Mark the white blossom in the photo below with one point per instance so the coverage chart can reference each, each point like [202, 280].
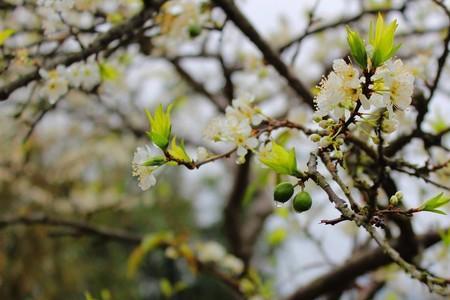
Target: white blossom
[243, 107]
[210, 252]
[202, 154]
[139, 169]
[55, 85]
[74, 75]
[236, 126]
[348, 74]
[393, 85]
[240, 133]
[340, 90]
[84, 74]
[233, 264]
[91, 76]
[58, 5]
[214, 130]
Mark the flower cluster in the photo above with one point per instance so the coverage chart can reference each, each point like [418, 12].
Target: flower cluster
[57, 15]
[164, 149]
[393, 85]
[236, 126]
[339, 91]
[56, 83]
[84, 75]
[383, 88]
[390, 87]
[57, 5]
[180, 20]
[214, 253]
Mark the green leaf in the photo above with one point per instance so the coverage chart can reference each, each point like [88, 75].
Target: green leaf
[88, 296]
[391, 296]
[276, 237]
[108, 72]
[178, 152]
[155, 161]
[279, 159]
[437, 201]
[106, 294]
[254, 187]
[5, 34]
[381, 38]
[445, 237]
[160, 126]
[166, 288]
[357, 47]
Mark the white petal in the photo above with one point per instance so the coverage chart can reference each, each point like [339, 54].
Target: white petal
[147, 181]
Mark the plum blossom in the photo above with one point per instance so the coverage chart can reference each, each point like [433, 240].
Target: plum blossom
[56, 83]
[236, 127]
[393, 86]
[233, 264]
[58, 5]
[210, 252]
[243, 107]
[84, 74]
[340, 90]
[141, 168]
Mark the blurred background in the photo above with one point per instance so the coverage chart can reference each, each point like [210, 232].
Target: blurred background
[71, 160]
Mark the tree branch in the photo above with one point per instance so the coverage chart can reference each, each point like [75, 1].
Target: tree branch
[270, 55]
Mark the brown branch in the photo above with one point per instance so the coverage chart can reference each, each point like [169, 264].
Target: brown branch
[233, 213]
[270, 55]
[218, 101]
[82, 227]
[359, 264]
[339, 23]
[100, 44]
[443, 57]
[79, 226]
[434, 283]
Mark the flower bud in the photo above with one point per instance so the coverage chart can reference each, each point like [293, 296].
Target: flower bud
[388, 126]
[315, 137]
[393, 200]
[399, 195]
[317, 119]
[283, 192]
[323, 124]
[325, 141]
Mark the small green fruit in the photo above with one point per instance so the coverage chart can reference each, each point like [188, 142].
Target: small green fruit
[302, 202]
[194, 30]
[283, 192]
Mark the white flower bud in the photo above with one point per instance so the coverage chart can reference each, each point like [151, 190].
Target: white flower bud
[315, 137]
[323, 124]
[393, 200]
[317, 119]
[325, 141]
[389, 126]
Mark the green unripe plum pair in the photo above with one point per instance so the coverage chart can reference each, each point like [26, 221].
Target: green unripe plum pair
[284, 191]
